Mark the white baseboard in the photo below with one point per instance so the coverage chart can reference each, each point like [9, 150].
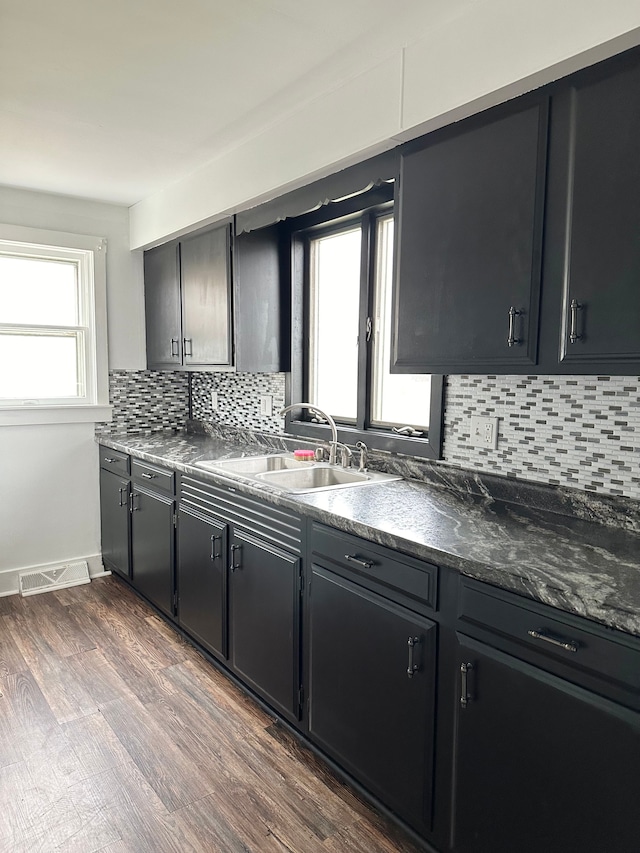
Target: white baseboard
[10, 584]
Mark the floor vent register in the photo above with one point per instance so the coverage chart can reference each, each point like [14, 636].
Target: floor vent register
[41, 580]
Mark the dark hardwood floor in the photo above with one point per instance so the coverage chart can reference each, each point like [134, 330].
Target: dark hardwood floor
[116, 735]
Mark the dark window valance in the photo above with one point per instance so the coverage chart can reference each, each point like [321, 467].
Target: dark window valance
[343, 184]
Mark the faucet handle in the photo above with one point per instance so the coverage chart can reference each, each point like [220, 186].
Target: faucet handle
[362, 447]
[345, 456]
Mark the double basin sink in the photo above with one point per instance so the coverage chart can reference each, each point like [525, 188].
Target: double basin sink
[288, 474]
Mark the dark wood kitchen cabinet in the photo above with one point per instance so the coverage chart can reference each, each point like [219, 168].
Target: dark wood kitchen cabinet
[264, 619]
[545, 759]
[372, 671]
[592, 259]
[201, 563]
[115, 518]
[188, 302]
[261, 300]
[153, 523]
[469, 241]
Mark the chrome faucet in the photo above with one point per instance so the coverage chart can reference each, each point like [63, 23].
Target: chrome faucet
[333, 447]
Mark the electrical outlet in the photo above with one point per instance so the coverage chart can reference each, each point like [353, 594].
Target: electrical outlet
[266, 404]
[484, 432]
[214, 401]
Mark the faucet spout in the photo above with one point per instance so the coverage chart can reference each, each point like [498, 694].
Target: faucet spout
[333, 452]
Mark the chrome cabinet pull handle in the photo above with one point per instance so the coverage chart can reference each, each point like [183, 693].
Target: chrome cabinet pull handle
[567, 645]
[148, 476]
[233, 566]
[121, 501]
[175, 346]
[353, 558]
[188, 350]
[109, 460]
[511, 339]
[573, 321]
[412, 667]
[132, 505]
[215, 539]
[465, 696]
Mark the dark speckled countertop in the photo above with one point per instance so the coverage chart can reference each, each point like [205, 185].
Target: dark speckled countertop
[578, 565]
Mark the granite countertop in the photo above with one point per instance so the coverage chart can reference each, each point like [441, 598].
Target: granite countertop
[577, 565]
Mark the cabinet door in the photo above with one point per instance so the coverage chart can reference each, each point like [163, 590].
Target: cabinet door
[598, 124]
[114, 512]
[541, 764]
[152, 547]
[162, 306]
[469, 247]
[371, 692]
[261, 303]
[264, 620]
[202, 586]
[206, 298]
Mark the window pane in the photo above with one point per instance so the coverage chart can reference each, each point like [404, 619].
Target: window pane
[38, 292]
[38, 367]
[398, 399]
[334, 303]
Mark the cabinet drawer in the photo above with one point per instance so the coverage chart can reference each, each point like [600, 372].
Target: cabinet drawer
[411, 578]
[550, 633]
[156, 478]
[114, 460]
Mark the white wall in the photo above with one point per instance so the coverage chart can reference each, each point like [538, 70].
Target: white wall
[412, 76]
[49, 512]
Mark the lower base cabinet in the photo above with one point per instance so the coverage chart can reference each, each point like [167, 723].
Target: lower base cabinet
[372, 692]
[152, 547]
[115, 524]
[202, 580]
[264, 602]
[541, 764]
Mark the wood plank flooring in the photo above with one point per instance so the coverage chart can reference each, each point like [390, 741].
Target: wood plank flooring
[118, 736]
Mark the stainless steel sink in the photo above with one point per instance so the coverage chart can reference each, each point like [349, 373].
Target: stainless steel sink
[283, 472]
[249, 466]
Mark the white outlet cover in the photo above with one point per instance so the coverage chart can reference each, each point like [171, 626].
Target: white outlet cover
[484, 432]
[266, 404]
[214, 401]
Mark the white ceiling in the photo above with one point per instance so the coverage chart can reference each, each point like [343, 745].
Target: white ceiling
[115, 99]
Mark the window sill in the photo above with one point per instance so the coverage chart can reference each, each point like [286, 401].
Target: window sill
[26, 415]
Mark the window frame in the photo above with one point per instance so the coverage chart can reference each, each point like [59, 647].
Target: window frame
[365, 209]
[89, 253]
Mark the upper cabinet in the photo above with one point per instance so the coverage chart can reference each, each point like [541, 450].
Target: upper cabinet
[261, 301]
[518, 247]
[470, 233]
[593, 237]
[188, 302]
[191, 317]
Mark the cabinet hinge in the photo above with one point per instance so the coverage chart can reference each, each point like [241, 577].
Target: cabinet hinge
[175, 519]
[301, 698]
[301, 582]
[175, 601]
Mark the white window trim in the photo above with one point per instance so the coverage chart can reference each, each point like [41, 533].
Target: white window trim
[99, 410]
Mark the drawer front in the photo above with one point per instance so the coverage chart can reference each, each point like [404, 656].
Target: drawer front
[550, 633]
[412, 578]
[155, 478]
[114, 460]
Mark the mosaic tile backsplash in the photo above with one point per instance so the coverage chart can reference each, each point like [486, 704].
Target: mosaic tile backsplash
[238, 399]
[146, 400]
[579, 431]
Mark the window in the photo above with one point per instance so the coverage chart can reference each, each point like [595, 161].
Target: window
[52, 327]
[343, 276]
